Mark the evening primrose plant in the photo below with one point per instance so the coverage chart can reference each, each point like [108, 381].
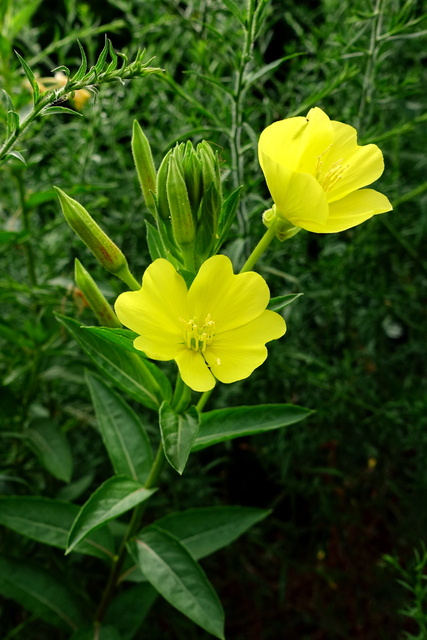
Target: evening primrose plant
[192, 306]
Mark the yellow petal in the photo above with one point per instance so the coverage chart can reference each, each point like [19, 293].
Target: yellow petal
[160, 346]
[234, 354]
[158, 306]
[194, 370]
[361, 165]
[231, 300]
[295, 143]
[298, 197]
[353, 210]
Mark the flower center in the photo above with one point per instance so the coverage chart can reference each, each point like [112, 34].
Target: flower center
[198, 337]
[328, 179]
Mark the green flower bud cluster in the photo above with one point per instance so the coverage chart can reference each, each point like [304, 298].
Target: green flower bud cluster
[187, 197]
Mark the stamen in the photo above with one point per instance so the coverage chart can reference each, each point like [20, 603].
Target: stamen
[198, 338]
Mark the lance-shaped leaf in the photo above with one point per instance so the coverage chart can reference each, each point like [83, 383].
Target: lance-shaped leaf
[114, 497]
[135, 375]
[48, 521]
[280, 302]
[225, 424]
[51, 447]
[122, 338]
[40, 592]
[176, 575]
[122, 432]
[205, 530]
[178, 434]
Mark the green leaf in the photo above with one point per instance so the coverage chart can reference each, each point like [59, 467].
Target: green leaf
[114, 497]
[174, 573]
[205, 530]
[31, 78]
[39, 592]
[235, 10]
[51, 448]
[227, 216]
[12, 122]
[155, 243]
[257, 75]
[129, 608]
[122, 432]
[225, 424]
[17, 155]
[50, 111]
[83, 66]
[48, 521]
[122, 338]
[178, 434]
[99, 66]
[280, 302]
[97, 632]
[141, 379]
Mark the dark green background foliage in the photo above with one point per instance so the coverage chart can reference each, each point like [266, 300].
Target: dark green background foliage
[346, 486]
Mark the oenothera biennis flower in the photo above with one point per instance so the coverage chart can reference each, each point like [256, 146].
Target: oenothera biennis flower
[315, 171]
[215, 329]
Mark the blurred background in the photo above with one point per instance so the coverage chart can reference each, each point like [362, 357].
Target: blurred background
[348, 487]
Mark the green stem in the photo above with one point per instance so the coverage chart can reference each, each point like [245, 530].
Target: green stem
[260, 248]
[203, 400]
[134, 525]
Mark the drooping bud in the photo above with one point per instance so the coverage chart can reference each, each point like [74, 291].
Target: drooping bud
[95, 299]
[144, 164]
[103, 248]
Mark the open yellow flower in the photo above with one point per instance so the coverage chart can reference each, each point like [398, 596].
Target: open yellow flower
[216, 329]
[315, 171]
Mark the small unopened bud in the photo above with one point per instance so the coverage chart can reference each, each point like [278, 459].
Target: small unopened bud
[179, 205]
[210, 166]
[95, 299]
[102, 247]
[162, 198]
[144, 164]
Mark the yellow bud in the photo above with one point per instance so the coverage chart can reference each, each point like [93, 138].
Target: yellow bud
[96, 300]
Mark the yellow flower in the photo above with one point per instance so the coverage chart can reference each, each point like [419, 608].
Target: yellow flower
[216, 329]
[315, 171]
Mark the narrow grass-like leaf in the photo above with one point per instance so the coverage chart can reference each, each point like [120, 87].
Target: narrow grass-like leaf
[48, 521]
[18, 156]
[122, 432]
[31, 78]
[40, 592]
[235, 10]
[178, 434]
[81, 71]
[225, 424]
[12, 122]
[176, 575]
[114, 497]
[50, 111]
[141, 379]
[99, 66]
[51, 448]
[205, 530]
[280, 302]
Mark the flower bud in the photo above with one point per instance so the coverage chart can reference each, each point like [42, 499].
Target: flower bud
[144, 164]
[95, 299]
[179, 205]
[102, 247]
[162, 198]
